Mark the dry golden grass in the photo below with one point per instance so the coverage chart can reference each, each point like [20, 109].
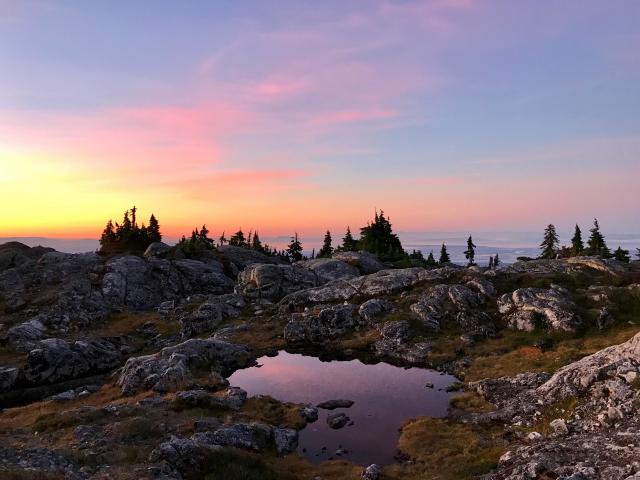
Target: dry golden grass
[446, 450]
[503, 357]
[273, 412]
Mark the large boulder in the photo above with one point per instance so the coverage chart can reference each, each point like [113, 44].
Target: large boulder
[169, 369]
[394, 344]
[272, 282]
[319, 326]
[134, 283]
[365, 262]
[25, 336]
[329, 269]
[55, 360]
[374, 308]
[241, 257]
[208, 315]
[14, 254]
[526, 307]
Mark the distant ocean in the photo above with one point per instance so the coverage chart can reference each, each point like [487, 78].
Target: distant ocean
[508, 245]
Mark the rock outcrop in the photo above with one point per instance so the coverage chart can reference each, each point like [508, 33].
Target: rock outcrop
[384, 282]
[329, 269]
[526, 308]
[209, 314]
[169, 369]
[319, 326]
[272, 282]
[365, 262]
[55, 360]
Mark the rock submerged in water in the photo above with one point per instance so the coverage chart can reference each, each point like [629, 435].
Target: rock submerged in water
[337, 420]
[333, 404]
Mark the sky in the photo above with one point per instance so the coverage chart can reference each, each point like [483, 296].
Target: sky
[283, 116]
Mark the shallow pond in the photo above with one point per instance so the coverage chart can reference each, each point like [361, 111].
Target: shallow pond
[384, 395]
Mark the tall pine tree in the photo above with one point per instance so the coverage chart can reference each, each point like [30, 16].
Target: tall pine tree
[238, 239]
[549, 244]
[294, 250]
[596, 245]
[431, 261]
[348, 243]
[577, 245]
[444, 255]
[327, 249]
[470, 252]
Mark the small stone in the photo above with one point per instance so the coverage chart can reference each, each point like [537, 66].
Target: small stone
[372, 472]
[533, 436]
[559, 426]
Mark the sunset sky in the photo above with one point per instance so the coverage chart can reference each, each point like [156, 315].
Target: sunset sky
[454, 115]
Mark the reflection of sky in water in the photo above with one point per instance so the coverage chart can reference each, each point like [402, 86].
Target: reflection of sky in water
[385, 396]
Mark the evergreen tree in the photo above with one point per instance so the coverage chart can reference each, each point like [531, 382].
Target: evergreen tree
[496, 261]
[348, 243]
[223, 239]
[470, 252]
[418, 257]
[128, 236]
[134, 223]
[577, 245]
[596, 245]
[327, 249]
[622, 255]
[153, 229]
[638, 253]
[108, 237]
[491, 262]
[256, 244]
[238, 239]
[444, 255]
[549, 244]
[431, 261]
[294, 250]
[313, 254]
[378, 238]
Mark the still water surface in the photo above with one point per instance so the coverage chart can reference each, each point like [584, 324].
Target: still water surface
[385, 396]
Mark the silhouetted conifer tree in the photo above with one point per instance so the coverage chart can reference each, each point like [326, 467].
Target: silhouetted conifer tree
[348, 243]
[596, 245]
[444, 255]
[491, 262]
[431, 261]
[327, 249]
[549, 244]
[378, 238]
[294, 250]
[470, 252]
[238, 239]
[577, 245]
[496, 261]
[622, 255]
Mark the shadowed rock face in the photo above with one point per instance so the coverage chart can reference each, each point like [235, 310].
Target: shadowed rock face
[55, 360]
[169, 369]
[60, 292]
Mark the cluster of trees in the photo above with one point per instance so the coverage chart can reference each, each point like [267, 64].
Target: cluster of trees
[595, 247]
[128, 236]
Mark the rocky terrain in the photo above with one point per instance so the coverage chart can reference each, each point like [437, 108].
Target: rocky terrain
[117, 367]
